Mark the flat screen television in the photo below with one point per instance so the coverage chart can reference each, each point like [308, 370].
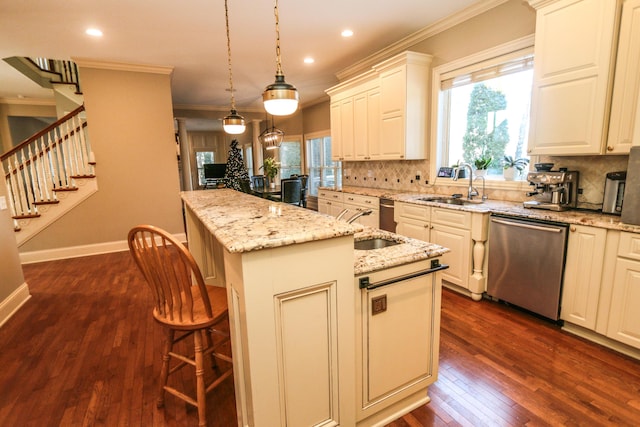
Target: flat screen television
[214, 170]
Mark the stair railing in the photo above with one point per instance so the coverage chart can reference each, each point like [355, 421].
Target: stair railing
[46, 163]
[67, 71]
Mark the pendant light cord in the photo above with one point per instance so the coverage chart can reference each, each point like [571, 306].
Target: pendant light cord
[278, 59]
[226, 17]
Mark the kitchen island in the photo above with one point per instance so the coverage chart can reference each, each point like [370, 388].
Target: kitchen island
[295, 309]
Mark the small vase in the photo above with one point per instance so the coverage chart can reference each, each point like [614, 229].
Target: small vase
[272, 185]
[510, 174]
[480, 172]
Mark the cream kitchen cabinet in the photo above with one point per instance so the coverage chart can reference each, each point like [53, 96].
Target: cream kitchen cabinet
[465, 233]
[404, 80]
[626, 83]
[382, 114]
[574, 46]
[334, 202]
[357, 203]
[354, 116]
[330, 202]
[397, 339]
[624, 316]
[583, 275]
[342, 130]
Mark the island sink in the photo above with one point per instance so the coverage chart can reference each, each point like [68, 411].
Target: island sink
[373, 243]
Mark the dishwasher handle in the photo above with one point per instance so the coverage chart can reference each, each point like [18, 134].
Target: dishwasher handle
[365, 284]
[529, 226]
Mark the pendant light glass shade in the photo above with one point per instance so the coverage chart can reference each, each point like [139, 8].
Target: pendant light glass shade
[280, 98]
[271, 137]
[233, 123]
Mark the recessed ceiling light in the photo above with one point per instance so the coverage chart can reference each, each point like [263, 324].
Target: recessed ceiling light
[94, 32]
[346, 33]
[309, 60]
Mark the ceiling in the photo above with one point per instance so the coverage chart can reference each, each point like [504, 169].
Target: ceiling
[190, 37]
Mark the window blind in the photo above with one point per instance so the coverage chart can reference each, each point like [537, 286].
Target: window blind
[485, 71]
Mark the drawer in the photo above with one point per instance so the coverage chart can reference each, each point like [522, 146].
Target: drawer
[330, 195]
[363, 201]
[451, 217]
[629, 246]
[409, 210]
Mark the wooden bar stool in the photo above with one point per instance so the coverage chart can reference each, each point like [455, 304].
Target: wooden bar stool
[185, 306]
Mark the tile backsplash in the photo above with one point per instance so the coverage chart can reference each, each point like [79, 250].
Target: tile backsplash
[400, 175]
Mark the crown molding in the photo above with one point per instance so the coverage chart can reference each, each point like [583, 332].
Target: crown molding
[29, 101]
[122, 66]
[419, 36]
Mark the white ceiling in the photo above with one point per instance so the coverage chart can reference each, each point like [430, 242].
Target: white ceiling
[190, 37]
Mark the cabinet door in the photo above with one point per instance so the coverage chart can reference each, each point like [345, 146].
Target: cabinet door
[398, 349]
[392, 112]
[626, 83]
[373, 124]
[360, 126]
[573, 50]
[459, 259]
[347, 129]
[336, 132]
[413, 228]
[583, 275]
[624, 317]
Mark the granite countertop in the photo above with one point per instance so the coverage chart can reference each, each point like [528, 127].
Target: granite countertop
[242, 223]
[406, 251]
[576, 216]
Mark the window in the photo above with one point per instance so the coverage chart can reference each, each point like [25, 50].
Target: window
[248, 158]
[322, 170]
[290, 153]
[202, 158]
[483, 108]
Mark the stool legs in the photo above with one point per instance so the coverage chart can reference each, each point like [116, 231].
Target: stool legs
[164, 371]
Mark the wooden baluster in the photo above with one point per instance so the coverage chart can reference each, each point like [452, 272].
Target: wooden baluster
[88, 169]
[55, 162]
[31, 176]
[7, 182]
[46, 169]
[64, 155]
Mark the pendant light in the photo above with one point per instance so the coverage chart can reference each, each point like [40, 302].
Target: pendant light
[271, 137]
[280, 98]
[233, 123]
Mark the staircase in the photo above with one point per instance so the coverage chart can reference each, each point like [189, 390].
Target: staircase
[49, 174]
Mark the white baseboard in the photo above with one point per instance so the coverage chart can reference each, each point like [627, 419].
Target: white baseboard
[13, 302]
[80, 251]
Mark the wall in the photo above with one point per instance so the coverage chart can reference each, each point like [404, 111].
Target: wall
[131, 131]
[316, 117]
[21, 108]
[14, 291]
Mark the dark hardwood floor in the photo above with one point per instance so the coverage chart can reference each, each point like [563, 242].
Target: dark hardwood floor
[84, 350]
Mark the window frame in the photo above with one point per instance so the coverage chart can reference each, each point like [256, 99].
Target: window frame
[337, 169]
[439, 146]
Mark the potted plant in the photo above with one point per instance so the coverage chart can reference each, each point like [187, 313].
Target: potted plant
[482, 163]
[270, 168]
[513, 167]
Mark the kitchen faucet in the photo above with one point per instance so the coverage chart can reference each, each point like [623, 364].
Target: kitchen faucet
[466, 166]
[359, 214]
[484, 196]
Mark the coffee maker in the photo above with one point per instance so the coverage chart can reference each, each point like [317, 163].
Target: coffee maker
[554, 190]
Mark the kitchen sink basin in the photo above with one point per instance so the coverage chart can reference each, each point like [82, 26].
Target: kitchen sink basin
[450, 200]
[373, 243]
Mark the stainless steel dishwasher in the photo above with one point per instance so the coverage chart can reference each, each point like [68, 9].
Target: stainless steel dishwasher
[526, 263]
[386, 215]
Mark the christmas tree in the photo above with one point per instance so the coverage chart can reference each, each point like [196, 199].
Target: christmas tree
[236, 170]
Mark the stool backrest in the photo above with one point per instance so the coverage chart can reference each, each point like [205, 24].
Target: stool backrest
[172, 273]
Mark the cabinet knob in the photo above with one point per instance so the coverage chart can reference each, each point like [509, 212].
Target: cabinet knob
[609, 148]
[572, 228]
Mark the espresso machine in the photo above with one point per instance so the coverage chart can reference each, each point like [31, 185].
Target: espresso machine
[554, 190]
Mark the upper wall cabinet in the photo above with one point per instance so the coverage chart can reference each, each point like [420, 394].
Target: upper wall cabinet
[382, 115]
[626, 84]
[574, 47]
